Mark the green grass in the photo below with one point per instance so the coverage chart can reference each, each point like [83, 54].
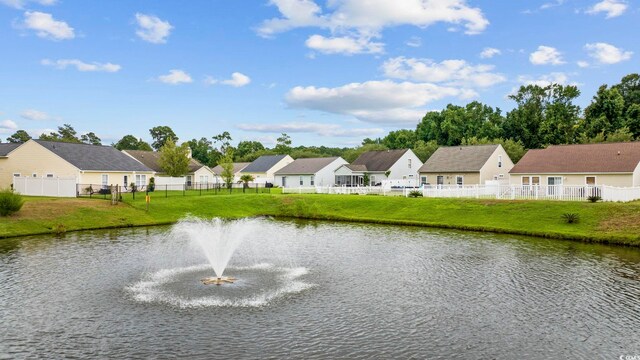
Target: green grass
[599, 222]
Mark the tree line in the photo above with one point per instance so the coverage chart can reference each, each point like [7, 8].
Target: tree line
[542, 116]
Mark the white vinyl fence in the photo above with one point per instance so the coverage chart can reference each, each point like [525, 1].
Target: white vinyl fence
[530, 192]
[167, 180]
[58, 187]
[344, 190]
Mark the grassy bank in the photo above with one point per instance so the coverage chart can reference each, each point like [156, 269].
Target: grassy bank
[600, 222]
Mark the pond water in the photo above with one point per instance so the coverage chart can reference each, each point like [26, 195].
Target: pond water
[318, 290]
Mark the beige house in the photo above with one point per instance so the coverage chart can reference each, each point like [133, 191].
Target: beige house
[612, 164]
[382, 167]
[198, 173]
[237, 169]
[88, 164]
[466, 165]
[263, 169]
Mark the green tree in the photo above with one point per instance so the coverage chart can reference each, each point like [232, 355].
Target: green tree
[400, 139]
[283, 144]
[246, 148]
[19, 136]
[620, 135]
[226, 162]
[202, 150]
[90, 138]
[424, 150]
[173, 159]
[130, 142]
[246, 179]
[351, 154]
[605, 113]
[515, 149]
[160, 135]
[65, 133]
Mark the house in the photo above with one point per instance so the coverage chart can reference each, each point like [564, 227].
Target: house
[393, 167]
[466, 165]
[309, 172]
[237, 168]
[263, 169]
[197, 173]
[613, 164]
[88, 164]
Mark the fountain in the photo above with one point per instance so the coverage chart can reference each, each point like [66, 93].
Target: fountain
[218, 240]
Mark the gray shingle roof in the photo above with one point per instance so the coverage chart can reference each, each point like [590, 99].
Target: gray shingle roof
[237, 167]
[306, 166]
[380, 160]
[150, 160]
[7, 148]
[263, 163]
[93, 157]
[458, 159]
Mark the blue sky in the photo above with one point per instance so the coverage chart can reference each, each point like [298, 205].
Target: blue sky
[325, 72]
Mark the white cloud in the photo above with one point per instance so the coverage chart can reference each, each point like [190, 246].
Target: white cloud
[81, 66]
[36, 115]
[553, 4]
[175, 77]
[449, 72]
[612, 8]
[367, 19]
[20, 4]
[8, 126]
[374, 101]
[320, 129]
[47, 27]
[606, 53]
[489, 52]
[344, 45]
[545, 80]
[546, 55]
[415, 41]
[152, 29]
[237, 80]
[582, 64]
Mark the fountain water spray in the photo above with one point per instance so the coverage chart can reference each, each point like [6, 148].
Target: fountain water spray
[218, 239]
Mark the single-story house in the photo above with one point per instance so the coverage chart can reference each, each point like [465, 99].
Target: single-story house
[613, 164]
[237, 168]
[88, 164]
[263, 169]
[309, 172]
[466, 165]
[197, 173]
[395, 167]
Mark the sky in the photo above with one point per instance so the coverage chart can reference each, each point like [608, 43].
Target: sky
[325, 72]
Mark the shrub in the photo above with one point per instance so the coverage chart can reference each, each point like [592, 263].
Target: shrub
[415, 193]
[10, 202]
[594, 198]
[571, 218]
[152, 184]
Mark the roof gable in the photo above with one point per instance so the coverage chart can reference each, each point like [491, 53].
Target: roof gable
[263, 163]
[458, 159]
[6, 148]
[379, 160]
[237, 167]
[584, 158]
[307, 166]
[151, 160]
[93, 157]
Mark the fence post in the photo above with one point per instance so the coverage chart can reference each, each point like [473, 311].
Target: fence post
[166, 191]
[184, 189]
[200, 189]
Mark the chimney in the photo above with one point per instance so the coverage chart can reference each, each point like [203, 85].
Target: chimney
[189, 154]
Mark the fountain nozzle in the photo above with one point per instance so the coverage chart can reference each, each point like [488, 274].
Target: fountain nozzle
[218, 280]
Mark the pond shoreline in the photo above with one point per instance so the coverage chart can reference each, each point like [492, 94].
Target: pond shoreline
[606, 223]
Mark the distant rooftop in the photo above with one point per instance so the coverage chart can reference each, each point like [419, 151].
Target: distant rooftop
[306, 166]
[379, 160]
[458, 159]
[263, 163]
[151, 158]
[6, 148]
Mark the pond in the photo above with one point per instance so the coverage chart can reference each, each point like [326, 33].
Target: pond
[318, 290]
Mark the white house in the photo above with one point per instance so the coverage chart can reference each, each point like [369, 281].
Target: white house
[197, 173]
[383, 167]
[237, 171]
[309, 172]
[263, 169]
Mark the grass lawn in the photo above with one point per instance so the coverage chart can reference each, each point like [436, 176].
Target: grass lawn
[600, 222]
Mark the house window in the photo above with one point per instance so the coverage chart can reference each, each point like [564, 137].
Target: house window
[16, 174]
[372, 180]
[141, 180]
[499, 160]
[440, 180]
[591, 180]
[284, 181]
[301, 181]
[409, 163]
[34, 175]
[501, 176]
[49, 175]
[530, 180]
[126, 181]
[204, 179]
[423, 180]
[313, 180]
[459, 180]
[554, 180]
[105, 180]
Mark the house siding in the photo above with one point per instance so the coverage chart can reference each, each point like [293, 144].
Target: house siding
[324, 177]
[636, 176]
[450, 178]
[401, 171]
[32, 158]
[619, 180]
[490, 169]
[269, 176]
[115, 177]
[204, 171]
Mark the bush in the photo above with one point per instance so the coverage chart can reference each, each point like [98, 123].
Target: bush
[594, 198]
[152, 184]
[415, 193]
[10, 202]
[571, 218]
